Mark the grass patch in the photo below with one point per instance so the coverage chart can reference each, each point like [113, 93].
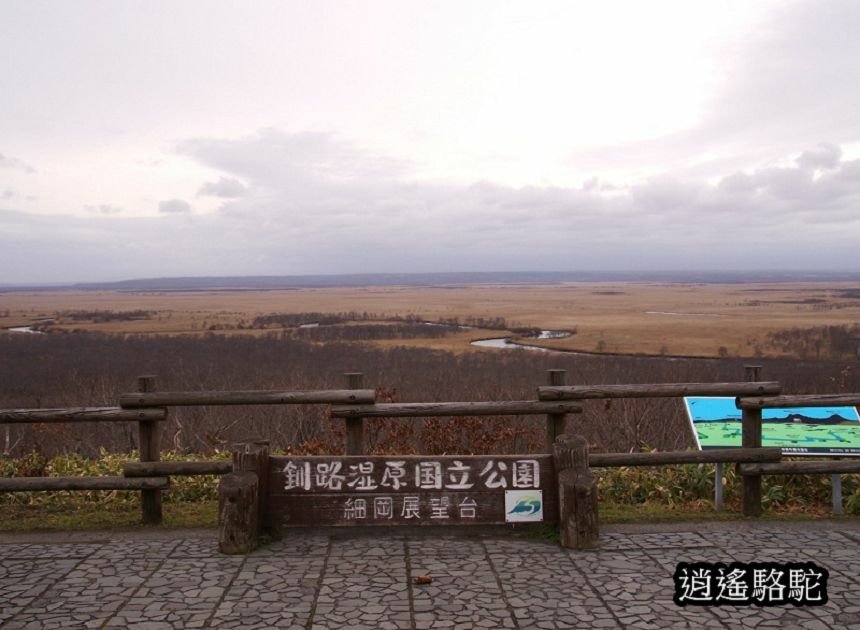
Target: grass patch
[77, 517]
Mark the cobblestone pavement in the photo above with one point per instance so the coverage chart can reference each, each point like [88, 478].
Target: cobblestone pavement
[348, 579]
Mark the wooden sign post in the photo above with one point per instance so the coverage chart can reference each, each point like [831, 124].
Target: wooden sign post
[410, 490]
[577, 488]
[241, 498]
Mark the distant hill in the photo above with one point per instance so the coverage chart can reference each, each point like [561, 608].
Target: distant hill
[792, 417]
[208, 283]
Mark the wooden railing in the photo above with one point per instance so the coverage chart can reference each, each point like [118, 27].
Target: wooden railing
[752, 409]
[556, 401]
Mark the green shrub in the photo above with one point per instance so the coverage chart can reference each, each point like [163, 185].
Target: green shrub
[685, 485]
[182, 487]
[689, 485]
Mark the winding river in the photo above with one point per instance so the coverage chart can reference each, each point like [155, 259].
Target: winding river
[506, 343]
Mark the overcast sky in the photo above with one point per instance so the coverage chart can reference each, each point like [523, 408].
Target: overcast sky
[176, 138]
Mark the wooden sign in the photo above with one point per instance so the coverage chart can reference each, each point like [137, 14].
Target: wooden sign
[410, 490]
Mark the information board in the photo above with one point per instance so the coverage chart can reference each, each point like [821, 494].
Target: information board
[414, 490]
[716, 423]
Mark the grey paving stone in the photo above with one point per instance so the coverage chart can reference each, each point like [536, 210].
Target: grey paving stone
[271, 591]
[464, 591]
[445, 546]
[668, 559]
[613, 562]
[18, 551]
[293, 544]
[23, 580]
[137, 549]
[63, 551]
[671, 540]
[313, 580]
[184, 592]
[196, 548]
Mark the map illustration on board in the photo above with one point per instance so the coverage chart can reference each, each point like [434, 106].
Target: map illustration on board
[716, 423]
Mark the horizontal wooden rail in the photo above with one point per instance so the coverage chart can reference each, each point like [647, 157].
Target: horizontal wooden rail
[813, 400]
[80, 414]
[802, 468]
[415, 410]
[657, 390]
[166, 469]
[598, 460]
[23, 484]
[253, 397]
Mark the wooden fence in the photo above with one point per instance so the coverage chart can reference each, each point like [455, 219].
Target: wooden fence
[568, 462]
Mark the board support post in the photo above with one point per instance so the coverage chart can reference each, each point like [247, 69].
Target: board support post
[355, 425]
[554, 421]
[150, 451]
[751, 438]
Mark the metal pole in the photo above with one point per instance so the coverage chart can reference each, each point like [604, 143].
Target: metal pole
[836, 485]
[718, 487]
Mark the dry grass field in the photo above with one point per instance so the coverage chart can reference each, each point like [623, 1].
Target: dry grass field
[672, 319]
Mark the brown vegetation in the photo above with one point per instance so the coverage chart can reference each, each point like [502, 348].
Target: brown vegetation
[226, 340]
[87, 369]
[719, 320]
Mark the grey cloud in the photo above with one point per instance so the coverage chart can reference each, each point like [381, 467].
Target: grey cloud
[14, 163]
[850, 171]
[824, 156]
[7, 194]
[795, 188]
[786, 183]
[738, 183]
[226, 187]
[174, 206]
[103, 208]
[665, 194]
[761, 218]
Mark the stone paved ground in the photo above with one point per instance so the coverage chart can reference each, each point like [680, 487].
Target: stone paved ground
[319, 580]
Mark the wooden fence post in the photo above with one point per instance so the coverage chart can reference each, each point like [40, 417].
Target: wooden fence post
[242, 498]
[355, 426]
[554, 421]
[577, 493]
[150, 451]
[751, 438]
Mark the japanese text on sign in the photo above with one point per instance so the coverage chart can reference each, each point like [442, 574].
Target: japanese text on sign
[408, 507]
[394, 475]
